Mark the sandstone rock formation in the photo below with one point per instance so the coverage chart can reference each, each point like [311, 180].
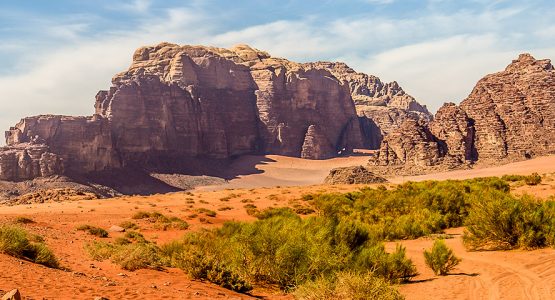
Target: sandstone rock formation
[381, 107]
[83, 143]
[514, 111]
[353, 175]
[411, 144]
[509, 116]
[27, 161]
[177, 103]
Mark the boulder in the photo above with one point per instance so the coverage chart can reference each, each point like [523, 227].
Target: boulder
[353, 175]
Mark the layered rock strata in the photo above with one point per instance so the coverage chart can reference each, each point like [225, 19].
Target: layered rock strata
[509, 116]
[381, 107]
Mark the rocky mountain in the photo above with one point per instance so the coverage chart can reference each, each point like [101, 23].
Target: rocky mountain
[381, 107]
[178, 104]
[509, 115]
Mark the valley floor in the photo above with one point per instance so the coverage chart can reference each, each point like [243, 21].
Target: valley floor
[481, 275]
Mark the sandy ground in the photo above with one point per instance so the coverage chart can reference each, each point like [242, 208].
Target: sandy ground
[275, 170]
[511, 275]
[481, 275]
[86, 279]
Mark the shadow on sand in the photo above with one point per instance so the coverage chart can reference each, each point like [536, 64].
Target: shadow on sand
[173, 176]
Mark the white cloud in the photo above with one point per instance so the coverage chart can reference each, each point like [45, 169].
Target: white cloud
[133, 6]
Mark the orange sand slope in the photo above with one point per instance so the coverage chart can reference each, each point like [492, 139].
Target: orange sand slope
[481, 275]
[278, 170]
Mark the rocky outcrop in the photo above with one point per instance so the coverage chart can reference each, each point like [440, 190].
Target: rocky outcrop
[353, 175]
[412, 144]
[27, 161]
[83, 143]
[177, 103]
[369, 90]
[514, 111]
[316, 145]
[455, 129]
[381, 107]
[509, 116]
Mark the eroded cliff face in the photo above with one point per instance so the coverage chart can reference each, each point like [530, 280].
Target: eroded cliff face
[381, 107]
[411, 144]
[181, 101]
[176, 102]
[514, 111]
[509, 116]
[84, 144]
[27, 161]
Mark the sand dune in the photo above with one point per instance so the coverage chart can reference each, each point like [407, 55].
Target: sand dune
[275, 170]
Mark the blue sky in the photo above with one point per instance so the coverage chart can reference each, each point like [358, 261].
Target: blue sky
[55, 55]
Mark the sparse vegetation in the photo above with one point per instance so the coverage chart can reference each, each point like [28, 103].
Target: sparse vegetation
[223, 208]
[15, 241]
[410, 210]
[440, 258]
[23, 220]
[128, 225]
[283, 249]
[93, 230]
[337, 252]
[132, 252]
[207, 212]
[161, 221]
[503, 221]
[533, 179]
[348, 285]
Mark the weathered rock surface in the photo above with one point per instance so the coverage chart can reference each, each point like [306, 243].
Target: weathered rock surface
[514, 111]
[381, 107]
[509, 115]
[316, 145]
[412, 144]
[177, 103]
[455, 129]
[83, 143]
[353, 175]
[26, 161]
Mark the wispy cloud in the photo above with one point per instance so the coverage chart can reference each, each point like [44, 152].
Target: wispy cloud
[133, 6]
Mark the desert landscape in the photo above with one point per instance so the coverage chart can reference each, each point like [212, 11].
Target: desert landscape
[515, 274]
[210, 171]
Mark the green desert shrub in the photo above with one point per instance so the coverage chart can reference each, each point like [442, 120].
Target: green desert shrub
[275, 211]
[410, 210]
[15, 241]
[285, 250]
[128, 225]
[93, 230]
[533, 179]
[161, 221]
[347, 285]
[503, 221]
[207, 212]
[129, 255]
[440, 258]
